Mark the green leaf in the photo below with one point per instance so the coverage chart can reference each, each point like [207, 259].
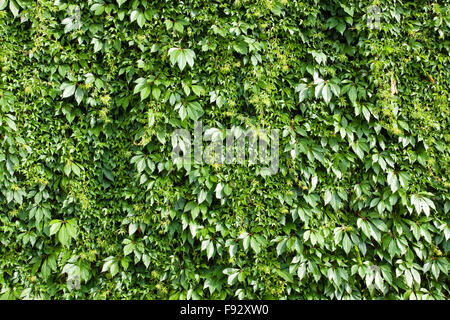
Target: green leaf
[134, 14]
[178, 27]
[79, 94]
[335, 89]
[232, 278]
[132, 228]
[140, 19]
[190, 56]
[72, 228]
[145, 92]
[55, 225]
[302, 91]
[393, 181]
[241, 47]
[3, 4]
[347, 243]
[404, 179]
[141, 165]
[63, 235]
[146, 260]
[341, 28]
[13, 6]
[121, 2]
[202, 196]
[98, 45]
[326, 93]
[129, 248]
[181, 60]
[98, 8]
[194, 110]
[366, 114]
[352, 94]
[408, 278]
[114, 268]
[210, 250]
[254, 244]
[285, 275]
[69, 91]
[156, 92]
[68, 169]
[318, 89]
[75, 169]
[335, 201]
[11, 124]
[198, 90]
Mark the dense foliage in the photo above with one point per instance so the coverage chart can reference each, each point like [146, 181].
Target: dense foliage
[90, 92]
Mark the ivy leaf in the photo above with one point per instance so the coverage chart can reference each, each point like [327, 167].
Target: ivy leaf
[63, 235]
[132, 228]
[341, 27]
[181, 61]
[241, 47]
[318, 89]
[202, 196]
[302, 90]
[55, 225]
[14, 7]
[178, 27]
[181, 57]
[190, 56]
[145, 92]
[140, 19]
[69, 91]
[198, 90]
[347, 243]
[255, 245]
[121, 2]
[232, 278]
[404, 179]
[335, 89]
[326, 93]
[156, 92]
[285, 275]
[352, 94]
[134, 14]
[79, 94]
[194, 110]
[210, 250]
[3, 4]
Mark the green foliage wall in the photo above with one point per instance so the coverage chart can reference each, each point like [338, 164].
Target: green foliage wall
[90, 92]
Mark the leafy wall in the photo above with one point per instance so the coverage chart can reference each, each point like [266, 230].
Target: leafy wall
[90, 92]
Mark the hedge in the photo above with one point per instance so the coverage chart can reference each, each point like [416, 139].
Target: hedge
[92, 206]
